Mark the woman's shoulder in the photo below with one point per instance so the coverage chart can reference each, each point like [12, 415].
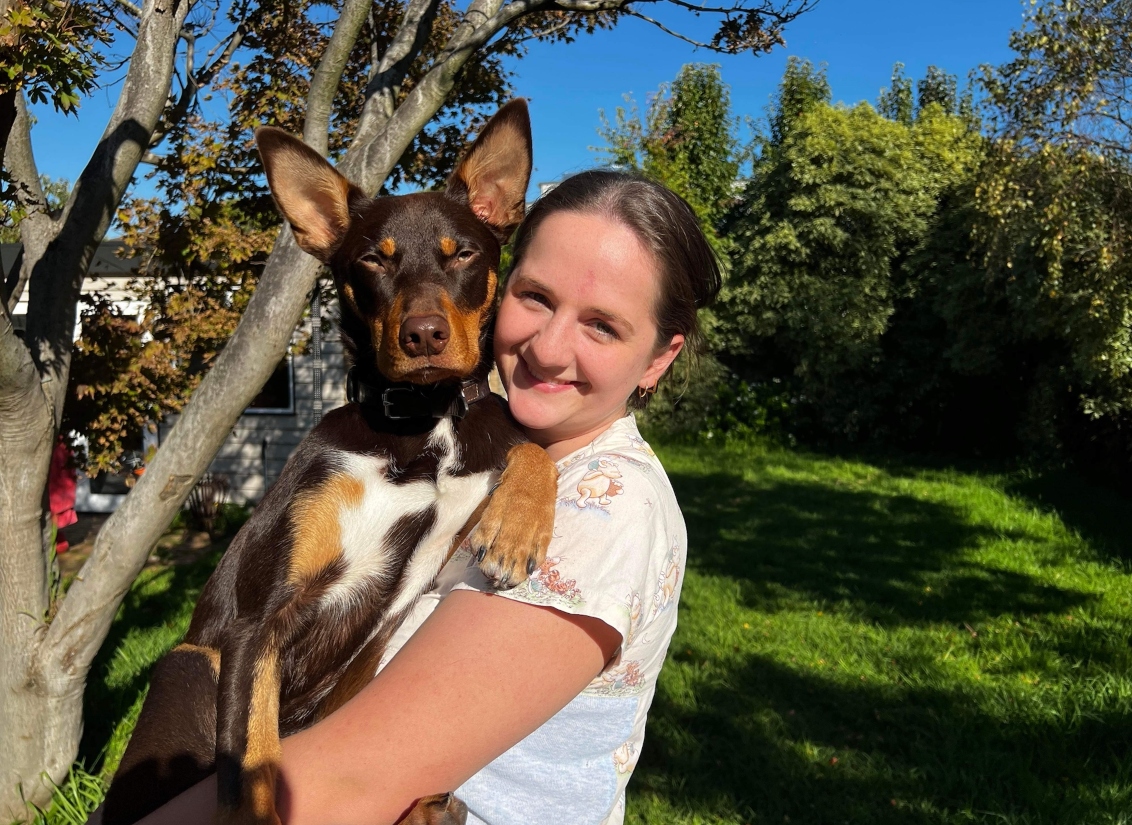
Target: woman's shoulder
[618, 471]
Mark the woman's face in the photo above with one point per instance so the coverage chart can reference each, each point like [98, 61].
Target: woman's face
[575, 334]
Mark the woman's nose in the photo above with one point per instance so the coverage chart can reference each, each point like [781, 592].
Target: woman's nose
[549, 346]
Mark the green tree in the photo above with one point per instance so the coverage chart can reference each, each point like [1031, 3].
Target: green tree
[687, 141]
[839, 201]
[938, 87]
[1055, 203]
[896, 102]
[803, 87]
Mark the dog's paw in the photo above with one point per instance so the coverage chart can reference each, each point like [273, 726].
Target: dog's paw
[514, 532]
[442, 809]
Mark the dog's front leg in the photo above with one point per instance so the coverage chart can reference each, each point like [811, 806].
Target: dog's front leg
[514, 532]
[442, 809]
[247, 729]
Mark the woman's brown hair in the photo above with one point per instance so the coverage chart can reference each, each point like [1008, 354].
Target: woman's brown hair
[666, 227]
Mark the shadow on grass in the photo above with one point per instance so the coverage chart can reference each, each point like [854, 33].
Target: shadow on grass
[106, 704]
[886, 755]
[1100, 515]
[838, 545]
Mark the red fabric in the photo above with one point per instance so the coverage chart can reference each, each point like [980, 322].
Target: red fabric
[61, 484]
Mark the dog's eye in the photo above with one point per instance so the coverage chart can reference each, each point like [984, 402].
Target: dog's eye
[465, 255]
[372, 260]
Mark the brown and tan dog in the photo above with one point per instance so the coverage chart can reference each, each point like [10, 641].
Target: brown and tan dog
[295, 618]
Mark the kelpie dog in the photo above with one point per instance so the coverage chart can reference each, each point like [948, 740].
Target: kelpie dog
[370, 506]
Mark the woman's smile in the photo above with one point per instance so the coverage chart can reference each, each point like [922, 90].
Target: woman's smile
[529, 378]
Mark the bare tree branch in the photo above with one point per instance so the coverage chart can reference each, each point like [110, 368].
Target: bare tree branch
[37, 226]
[676, 34]
[328, 74]
[130, 7]
[767, 10]
[178, 107]
[511, 39]
[390, 73]
[231, 43]
[380, 137]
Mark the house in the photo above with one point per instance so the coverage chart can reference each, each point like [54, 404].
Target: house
[254, 453]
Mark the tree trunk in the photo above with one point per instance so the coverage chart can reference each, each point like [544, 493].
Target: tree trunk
[42, 677]
[27, 428]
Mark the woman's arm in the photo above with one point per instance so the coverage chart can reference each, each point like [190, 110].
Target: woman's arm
[480, 674]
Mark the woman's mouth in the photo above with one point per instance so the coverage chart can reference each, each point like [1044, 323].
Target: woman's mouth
[533, 380]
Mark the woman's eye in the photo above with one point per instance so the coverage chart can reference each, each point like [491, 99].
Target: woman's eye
[605, 330]
[537, 297]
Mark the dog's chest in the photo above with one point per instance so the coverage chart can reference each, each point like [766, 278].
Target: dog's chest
[388, 530]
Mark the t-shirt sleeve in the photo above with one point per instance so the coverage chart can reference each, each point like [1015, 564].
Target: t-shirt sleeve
[610, 540]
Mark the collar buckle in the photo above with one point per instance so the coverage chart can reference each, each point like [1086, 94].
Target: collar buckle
[398, 403]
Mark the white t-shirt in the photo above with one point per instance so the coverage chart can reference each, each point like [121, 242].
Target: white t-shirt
[618, 554]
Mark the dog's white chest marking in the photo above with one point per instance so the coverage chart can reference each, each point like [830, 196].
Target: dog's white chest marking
[365, 526]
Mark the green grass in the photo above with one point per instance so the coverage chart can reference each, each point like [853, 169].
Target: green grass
[151, 620]
[864, 642]
[859, 641]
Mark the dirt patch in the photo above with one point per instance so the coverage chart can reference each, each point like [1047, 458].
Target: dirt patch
[180, 546]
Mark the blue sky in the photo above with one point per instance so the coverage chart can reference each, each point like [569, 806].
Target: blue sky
[567, 85]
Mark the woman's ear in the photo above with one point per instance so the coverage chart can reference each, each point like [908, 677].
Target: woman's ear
[661, 362]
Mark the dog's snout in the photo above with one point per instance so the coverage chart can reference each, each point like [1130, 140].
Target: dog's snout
[424, 335]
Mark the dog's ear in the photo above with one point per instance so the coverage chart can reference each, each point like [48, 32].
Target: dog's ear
[310, 193]
[493, 175]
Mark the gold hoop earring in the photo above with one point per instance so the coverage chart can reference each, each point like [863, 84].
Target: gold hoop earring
[644, 391]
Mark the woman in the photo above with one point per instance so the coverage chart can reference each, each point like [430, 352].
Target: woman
[532, 702]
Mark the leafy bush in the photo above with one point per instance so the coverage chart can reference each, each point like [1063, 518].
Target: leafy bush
[710, 401]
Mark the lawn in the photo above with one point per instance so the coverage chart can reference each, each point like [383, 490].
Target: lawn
[859, 641]
[885, 642]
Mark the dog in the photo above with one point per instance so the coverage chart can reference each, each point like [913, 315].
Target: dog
[372, 503]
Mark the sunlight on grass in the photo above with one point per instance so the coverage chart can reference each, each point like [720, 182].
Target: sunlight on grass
[887, 643]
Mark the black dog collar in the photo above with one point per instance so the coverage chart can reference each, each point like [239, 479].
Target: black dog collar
[405, 400]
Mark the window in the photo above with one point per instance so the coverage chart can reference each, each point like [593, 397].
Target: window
[278, 395]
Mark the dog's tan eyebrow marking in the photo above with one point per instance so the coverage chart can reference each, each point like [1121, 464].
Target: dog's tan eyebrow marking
[447, 246]
[388, 246]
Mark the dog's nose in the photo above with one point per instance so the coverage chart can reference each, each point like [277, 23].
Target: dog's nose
[424, 335]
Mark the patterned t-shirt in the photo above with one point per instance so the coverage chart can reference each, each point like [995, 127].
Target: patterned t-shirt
[618, 555]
